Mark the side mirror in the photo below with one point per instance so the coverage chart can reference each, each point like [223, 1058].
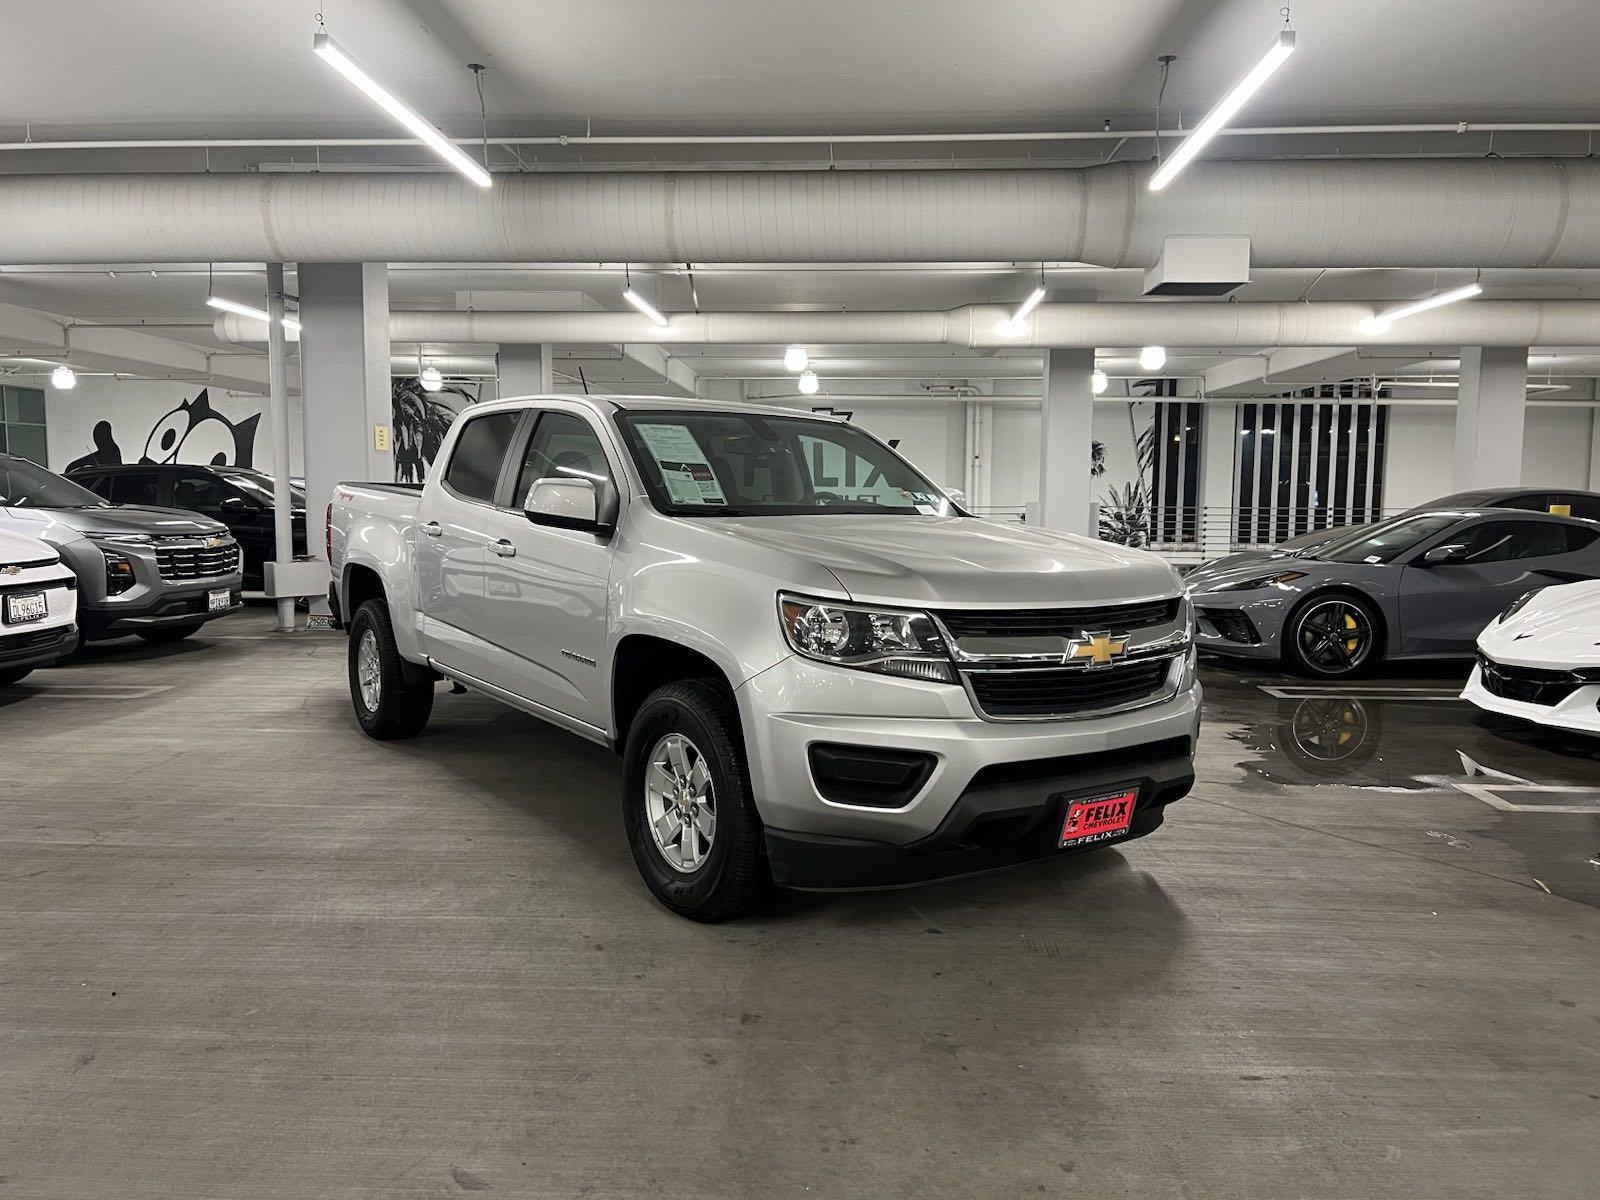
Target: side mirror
[1439, 555]
[955, 494]
[566, 503]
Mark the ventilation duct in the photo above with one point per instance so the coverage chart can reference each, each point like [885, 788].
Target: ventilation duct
[1525, 213]
[1171, 324]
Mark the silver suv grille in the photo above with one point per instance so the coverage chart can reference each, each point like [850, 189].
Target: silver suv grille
[195, 560]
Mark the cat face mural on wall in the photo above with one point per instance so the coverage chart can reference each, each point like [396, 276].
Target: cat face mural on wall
[194, 432]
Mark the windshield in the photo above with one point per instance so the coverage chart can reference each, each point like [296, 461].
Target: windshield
[259, 487]
[1386, 542]
[748, 464]
[27, 485]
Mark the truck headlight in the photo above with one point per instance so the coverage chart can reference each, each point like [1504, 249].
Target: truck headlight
[886, 640]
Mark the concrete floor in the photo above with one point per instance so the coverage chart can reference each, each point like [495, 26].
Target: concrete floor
[245, 952]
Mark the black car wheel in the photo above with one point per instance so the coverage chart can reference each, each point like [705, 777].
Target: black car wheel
[1335, 637]
[388, 705]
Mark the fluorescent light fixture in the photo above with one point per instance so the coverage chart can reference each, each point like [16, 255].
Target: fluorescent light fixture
[1098, 382]
[1152, 358]
[63, 378]
[332, 54]
[244, 310]
[1224, 111]
[644, 306]
[1381, 322]
[430, 379]
[795, 358]
[1028, 305]
[809, 383]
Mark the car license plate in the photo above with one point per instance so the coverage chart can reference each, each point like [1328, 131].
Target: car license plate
[219, 600]
[1099, 818]
[20, 609]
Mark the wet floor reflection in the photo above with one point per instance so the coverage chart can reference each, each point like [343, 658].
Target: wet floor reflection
[1406, 734]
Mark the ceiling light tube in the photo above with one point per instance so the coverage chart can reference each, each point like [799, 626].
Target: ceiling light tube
[644, 306]
[1224, 111]
[244, 310]
[1382, 321]
[334, 55]
[1026, 307]
[795, 358]
[1152, 358]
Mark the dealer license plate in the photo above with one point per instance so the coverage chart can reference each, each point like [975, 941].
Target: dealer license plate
[1099, 818]
[30, 606]
[219, 600]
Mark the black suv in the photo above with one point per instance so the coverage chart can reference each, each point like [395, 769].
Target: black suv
[237, 496]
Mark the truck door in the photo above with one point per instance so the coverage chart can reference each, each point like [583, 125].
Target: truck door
[451, 536]
[544, 600]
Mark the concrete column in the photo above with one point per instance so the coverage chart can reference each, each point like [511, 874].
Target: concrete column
[526, 370]
[1066, 436]
[278, 402]
[1491, 405]
[1219, 445]
[344, 381]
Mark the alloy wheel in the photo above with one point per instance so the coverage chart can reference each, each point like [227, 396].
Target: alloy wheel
[1334, 636]
[369, 670]
[680, 803]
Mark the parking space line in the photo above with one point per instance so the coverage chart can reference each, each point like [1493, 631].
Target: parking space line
[95, 691]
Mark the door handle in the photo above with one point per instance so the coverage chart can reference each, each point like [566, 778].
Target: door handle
[503, 548]
[433, 529]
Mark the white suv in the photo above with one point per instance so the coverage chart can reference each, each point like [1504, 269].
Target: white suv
[38, 606]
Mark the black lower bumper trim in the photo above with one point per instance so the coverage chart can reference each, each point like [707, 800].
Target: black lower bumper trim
[168, 610]
[38, 650]
[991, 825]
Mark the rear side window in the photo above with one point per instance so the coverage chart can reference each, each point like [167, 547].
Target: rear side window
[143, 487]
[1503, 541]
[100, 485]
[479, 454]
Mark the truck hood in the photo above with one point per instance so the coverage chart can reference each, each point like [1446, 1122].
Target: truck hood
[14, 548]
[119, 518]
[958, 560]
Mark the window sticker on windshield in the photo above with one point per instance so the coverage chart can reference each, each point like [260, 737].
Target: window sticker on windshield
[685, 471]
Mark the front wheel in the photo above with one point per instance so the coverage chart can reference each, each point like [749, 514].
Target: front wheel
[1334, 637]
[162, 634]
[387, 704]
[686, 804]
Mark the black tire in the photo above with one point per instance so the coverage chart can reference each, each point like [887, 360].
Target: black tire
[1312, 641]
[14, 675]
[399, 707]
[732, 877]
[163, 634]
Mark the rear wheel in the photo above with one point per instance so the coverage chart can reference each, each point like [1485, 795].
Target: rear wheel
[388, 705]
[14, 675]
[1334, 637]
[170, 633]
[686, 804]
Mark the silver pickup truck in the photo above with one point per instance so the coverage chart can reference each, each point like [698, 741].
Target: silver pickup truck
[817, 669]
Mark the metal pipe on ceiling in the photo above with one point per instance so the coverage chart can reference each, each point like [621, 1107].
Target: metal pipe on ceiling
[983, 326]
[1524, 213]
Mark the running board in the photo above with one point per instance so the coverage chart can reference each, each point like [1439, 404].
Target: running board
[532, 707]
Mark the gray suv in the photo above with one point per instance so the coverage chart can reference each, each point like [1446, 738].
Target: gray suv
[160, 573]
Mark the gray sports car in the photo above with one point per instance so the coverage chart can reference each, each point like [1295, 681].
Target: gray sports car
[1422, 585]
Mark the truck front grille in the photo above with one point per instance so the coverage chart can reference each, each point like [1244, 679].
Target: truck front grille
[1067, 691]
[1057, 622]
[196, 561]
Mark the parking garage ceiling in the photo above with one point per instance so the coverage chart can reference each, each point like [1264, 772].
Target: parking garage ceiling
[609, 69]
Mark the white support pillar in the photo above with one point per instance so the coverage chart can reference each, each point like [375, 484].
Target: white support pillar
[1219, 445]
[1491, 405]
[278, 404]
[344, 382]
[527, 370]
[1066, 439]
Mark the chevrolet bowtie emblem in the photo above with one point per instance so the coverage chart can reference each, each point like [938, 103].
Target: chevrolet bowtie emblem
[10, 569]
[1101, 649]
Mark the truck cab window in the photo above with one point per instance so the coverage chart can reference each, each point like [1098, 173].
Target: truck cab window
[563, 446]
[479, 454]
[131, 487]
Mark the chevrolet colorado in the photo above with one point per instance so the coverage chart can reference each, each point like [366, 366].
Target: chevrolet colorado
[817, 669]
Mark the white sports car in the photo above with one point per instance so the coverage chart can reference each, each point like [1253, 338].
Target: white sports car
[1540, 659]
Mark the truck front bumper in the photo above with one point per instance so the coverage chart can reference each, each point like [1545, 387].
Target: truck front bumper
[996, 792]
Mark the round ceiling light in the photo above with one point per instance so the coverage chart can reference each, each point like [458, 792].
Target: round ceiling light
[64, 378]
[1152, 358]
[1098, 382]
[809, 383]
[795, 358]
[430, 379]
